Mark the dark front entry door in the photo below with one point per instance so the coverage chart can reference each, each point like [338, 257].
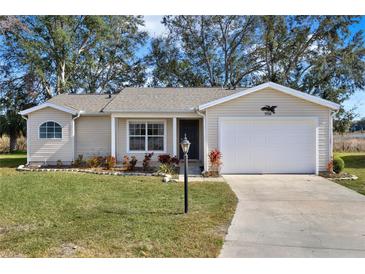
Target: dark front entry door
[191, 129]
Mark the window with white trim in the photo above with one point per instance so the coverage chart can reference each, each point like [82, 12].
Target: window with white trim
[146, 136]
[50, 130]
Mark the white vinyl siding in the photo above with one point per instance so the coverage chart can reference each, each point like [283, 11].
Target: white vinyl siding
[287, 106]
[93, 136]
[50, 150]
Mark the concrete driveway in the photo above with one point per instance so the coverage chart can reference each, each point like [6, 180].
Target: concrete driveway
[294, 216]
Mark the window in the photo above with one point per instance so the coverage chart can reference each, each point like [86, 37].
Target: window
[50, 130]
[146, 136]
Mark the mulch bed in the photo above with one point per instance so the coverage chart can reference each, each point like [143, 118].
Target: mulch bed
[341, 176]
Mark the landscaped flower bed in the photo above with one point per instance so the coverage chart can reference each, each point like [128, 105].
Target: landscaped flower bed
[100, 171]
[335, 172]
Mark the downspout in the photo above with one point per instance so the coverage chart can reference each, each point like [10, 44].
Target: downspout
[28, 148]
[331, 117]
[205, 142]
[74, 132]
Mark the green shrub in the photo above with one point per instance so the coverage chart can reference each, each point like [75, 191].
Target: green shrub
[79, 162]
[338, 165]
[59, 163]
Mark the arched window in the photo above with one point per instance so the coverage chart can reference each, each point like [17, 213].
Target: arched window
[50, 130]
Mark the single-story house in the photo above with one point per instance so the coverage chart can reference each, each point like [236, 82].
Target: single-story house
[268, 128]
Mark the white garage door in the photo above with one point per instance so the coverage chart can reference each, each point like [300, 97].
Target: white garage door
[268, 145]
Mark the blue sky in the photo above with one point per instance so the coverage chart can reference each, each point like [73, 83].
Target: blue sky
[155, 28]
[358, 99]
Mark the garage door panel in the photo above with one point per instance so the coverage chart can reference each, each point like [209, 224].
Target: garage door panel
[268, 145]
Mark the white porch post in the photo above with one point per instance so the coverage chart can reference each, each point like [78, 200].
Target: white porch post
[174, 137]
[205, 143]
[113, 136]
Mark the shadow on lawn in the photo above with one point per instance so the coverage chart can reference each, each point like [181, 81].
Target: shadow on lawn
[139, 212]
[9, 161]
[354, 161]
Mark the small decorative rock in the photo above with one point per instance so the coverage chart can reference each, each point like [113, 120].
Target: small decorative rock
[90, 171]
[167, 178]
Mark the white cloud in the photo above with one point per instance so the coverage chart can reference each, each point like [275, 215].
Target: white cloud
[153, 25]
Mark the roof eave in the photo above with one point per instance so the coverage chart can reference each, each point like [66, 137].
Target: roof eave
[275, 86]
[51, 105]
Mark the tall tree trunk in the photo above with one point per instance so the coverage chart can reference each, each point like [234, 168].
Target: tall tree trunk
[12, 138]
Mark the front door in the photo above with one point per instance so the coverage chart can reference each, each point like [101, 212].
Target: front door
[191, 129]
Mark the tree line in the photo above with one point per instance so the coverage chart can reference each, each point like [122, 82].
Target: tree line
[43, 56]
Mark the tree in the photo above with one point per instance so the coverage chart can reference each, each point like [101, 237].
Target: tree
[343, 121]
[113, 63]
[42, 56]
[319, 55]
[169, 68]
[216, 50]
[74, 53]
[358, 125]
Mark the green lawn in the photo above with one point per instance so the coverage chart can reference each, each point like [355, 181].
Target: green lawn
[354, 164]
[85, 215]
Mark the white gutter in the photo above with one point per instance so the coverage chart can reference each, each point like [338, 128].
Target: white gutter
[332, 114]
[205, 140]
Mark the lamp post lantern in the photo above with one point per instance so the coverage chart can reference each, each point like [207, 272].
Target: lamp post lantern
[185, 145]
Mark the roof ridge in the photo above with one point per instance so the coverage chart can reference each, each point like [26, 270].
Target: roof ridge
[111, 99]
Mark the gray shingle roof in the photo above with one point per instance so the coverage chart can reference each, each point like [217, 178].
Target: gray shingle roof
[164, 99]
[84, 102]
[143, 100]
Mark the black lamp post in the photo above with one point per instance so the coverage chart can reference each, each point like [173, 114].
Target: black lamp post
[185, 145]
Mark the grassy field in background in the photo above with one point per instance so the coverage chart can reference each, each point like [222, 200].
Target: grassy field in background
[86, 215]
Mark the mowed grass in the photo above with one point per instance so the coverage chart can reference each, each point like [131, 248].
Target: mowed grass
[85, 215]
[354, 164]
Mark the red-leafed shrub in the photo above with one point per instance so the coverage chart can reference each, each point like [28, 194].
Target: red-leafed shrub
[167, 159]
[164, 158]
[110, 162]
[175, 160]
[215, 157]
[125, 162]
[133, 163]
[147, 161]
[330, 167]
[129, 164]
[96, 161]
